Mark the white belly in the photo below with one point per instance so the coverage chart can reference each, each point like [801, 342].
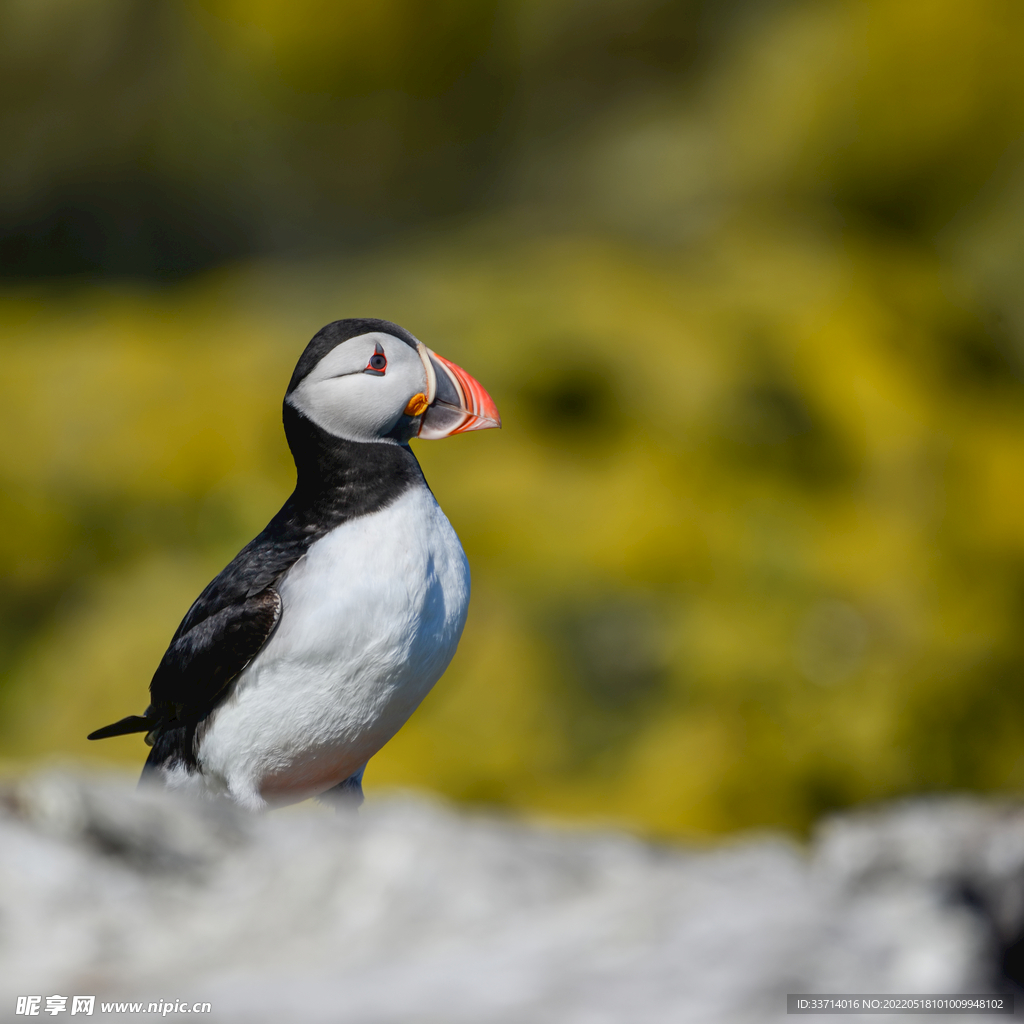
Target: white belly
[371, 617]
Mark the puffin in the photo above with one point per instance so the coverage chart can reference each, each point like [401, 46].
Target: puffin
[319, 639]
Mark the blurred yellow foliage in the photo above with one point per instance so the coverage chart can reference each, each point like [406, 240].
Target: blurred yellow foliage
[750, 545]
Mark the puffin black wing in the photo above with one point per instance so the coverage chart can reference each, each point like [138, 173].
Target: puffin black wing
[202, 659]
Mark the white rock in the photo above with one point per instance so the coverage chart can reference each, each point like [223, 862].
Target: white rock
[416, 914]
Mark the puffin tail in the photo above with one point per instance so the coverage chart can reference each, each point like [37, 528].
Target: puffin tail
[133, 723]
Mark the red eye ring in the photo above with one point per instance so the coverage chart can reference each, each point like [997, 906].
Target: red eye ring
[378, 364]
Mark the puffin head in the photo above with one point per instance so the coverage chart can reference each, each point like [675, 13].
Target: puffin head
[371, 380]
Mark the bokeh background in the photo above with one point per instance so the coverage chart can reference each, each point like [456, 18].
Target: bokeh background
[745, 278]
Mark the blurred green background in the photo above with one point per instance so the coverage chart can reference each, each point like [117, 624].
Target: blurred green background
[745, 279]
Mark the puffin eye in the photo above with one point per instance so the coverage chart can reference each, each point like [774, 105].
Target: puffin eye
[378, 363]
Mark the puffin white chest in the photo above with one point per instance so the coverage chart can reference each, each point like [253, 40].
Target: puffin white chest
[371, 617]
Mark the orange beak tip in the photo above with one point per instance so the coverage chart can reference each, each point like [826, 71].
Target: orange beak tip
[477, 408]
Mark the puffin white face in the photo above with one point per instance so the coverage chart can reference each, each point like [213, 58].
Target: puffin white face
[361, 388]
[375, 387]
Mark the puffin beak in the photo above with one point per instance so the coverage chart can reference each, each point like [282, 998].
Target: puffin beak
[455, 402]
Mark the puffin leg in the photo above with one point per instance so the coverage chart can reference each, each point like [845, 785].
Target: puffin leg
[347, 795]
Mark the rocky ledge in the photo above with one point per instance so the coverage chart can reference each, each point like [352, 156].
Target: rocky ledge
[415, 913]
